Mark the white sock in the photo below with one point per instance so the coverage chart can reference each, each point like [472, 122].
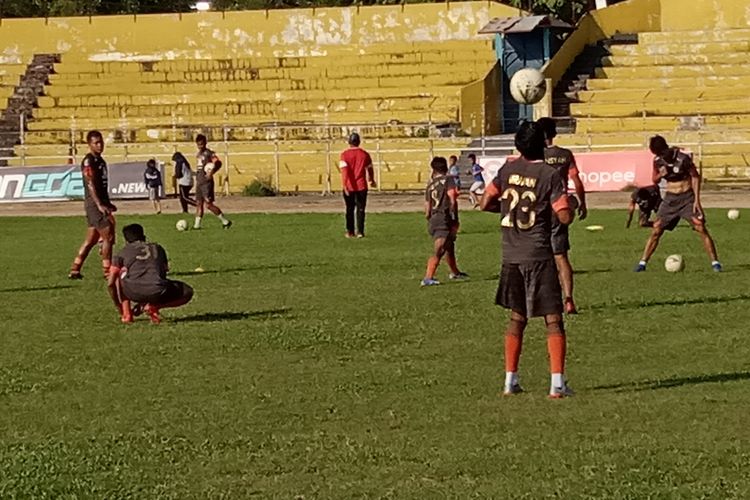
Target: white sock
[715, 262]
[511, 379]
[223, 219]
[197, 222]
[642, 263]
[557, 380]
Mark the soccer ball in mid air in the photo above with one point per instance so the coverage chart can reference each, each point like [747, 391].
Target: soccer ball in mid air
[181, 225]
[674, 263]
[733, 214]
[208, 168]
[528, 86]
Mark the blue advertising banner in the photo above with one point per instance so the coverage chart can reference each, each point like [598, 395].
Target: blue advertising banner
[66, 182]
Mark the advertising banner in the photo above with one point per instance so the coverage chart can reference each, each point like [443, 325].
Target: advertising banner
[600, 172]
[65, 182]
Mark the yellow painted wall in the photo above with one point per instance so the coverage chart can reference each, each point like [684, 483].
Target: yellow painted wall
[481, 103]
[270, 33]
[686, 15]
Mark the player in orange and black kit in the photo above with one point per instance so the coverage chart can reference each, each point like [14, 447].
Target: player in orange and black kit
[565, 162]
[682, 200]
[648, 200]
[441, 211]
[99, 209]
[529, 195]
[204, 184]
[139, 274]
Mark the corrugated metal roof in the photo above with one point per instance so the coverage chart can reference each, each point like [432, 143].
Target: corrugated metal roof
[524, 24]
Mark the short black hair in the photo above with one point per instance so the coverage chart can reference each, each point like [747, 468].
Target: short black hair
[549, 127]
[93, 134]
[439, 164]
[201, 138]
[354, 139]
[151, 163]
[473, 157]
[133, 232]
[658, 145]
[453, 157]
[530, 141]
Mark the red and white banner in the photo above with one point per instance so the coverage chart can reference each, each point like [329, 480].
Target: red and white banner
[611, 171]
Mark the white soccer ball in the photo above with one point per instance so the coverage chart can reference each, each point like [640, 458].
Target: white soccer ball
[528, 86]
[208, 168]
[181, 225]
[733, 214]
[674, 264]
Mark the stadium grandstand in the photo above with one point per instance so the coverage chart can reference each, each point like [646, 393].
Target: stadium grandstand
[278, 91]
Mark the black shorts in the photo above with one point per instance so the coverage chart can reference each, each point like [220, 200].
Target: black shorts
[204, 192]
[447, 231]
[96, 219]
[678, 206]
[172, 290]
[560, 237]
[530, 288]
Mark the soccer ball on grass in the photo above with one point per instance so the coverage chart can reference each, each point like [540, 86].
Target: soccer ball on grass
[733, 214]
[181, 225]
[674, 264]
[528, 86]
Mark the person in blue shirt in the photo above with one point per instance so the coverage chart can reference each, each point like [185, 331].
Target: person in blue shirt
[152, 179]
[454, 171]
[477, 187]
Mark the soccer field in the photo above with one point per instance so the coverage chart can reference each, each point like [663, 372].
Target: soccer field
[310, 366]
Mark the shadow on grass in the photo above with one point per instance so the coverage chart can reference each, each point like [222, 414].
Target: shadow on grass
[35, 288]
[264, 267]
[672, 302]
[232, 316]
[670, 383]
[592, 271]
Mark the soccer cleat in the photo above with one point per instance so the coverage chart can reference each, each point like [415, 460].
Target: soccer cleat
[153, 313]
[716, 266]
[429, 282]
[458, 276]
[75, 275]
[349, 235]
[227, 224]
[570, 306]
[640, 268]
[561, 392]
[512, 390]
[137, 310]
[360, 235]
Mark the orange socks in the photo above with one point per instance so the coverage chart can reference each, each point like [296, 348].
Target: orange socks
[513, 345]
[556, 349]
[432, 265]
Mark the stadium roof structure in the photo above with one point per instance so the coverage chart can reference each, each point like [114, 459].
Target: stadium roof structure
[523, 24]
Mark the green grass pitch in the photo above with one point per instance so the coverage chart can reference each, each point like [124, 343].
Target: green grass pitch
[313, 366]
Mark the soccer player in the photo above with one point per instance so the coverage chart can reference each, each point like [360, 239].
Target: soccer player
[204, 184]
[152, 179]
[454, 171]
[682, 200]
[529, 194]
[477, 187]
[184, 177]
[441, 211]
[356, 168]
[139, 274]
[563, 160]
[648, 200]
[99, 210]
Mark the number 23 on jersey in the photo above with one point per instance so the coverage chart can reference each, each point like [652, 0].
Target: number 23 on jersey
[521, 214]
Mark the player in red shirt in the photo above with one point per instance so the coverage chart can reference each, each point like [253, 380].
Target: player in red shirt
[356, 169]
[99, 209]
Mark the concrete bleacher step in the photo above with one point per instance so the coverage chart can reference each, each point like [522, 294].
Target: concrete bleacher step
[656, 94]
[684, 71]
[661, 108]
[663, 123]
[696, 36]
[680, 47]
[668, 82]
[677, 59]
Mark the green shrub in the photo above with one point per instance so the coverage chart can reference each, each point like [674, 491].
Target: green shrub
[259, 187]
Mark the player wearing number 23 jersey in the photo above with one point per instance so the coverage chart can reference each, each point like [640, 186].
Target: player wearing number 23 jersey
[528, 194]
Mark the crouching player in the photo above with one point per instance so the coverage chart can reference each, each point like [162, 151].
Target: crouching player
[528, 194]
[139, 275]
[441, 211]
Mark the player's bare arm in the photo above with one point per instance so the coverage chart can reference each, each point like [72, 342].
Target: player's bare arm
[583, 211]
[490, 201]
[344, 174]
[113, 282]
[89, 180]
[695, 183]
[371, 175]
[658, 174]
[631, 209]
